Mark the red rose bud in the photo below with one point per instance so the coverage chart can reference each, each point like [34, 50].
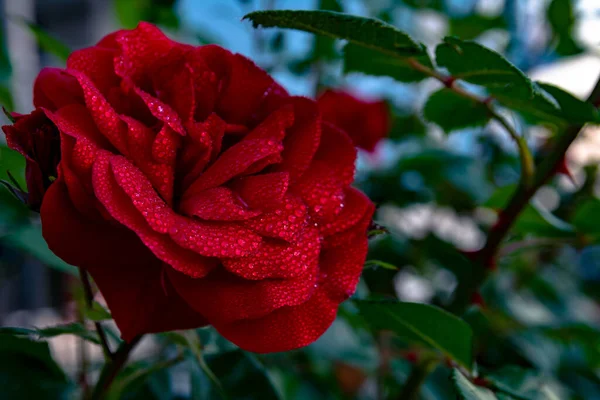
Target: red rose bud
[196, 191]
[37, 139]
[365, 122]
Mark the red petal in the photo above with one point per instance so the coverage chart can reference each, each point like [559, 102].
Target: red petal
[165, 146]
[322, 191]
[233, 162]
[138, 188]
[105, 117]
[275, 125]
[355, 206]
[274, 259]
[289, 328]
[54, 88]
[262, 191]
[285, 329]
[140, 140]
[302, 139]
[223, 297]
[161, 111]
[140, 49]
[341, 268]
[336, 149]
[217, 204]
[173, 81]
[244, 77]
[284, 222]
[128, 275]
[214, 239]
[98, 64]
[356, 232]
[121, 208]
[75, 120]
[206, 62]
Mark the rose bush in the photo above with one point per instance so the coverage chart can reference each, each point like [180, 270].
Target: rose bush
[196, 191]
[366, 122]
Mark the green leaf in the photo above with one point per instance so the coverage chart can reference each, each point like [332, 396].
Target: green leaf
[453, 112]
[424, 324]
[474, 63]
[28, 371]
[380, 264]
[29, 238]
[47, 42]
[373, 62]
[241, 375]
[74, 328]
[473, 25]
[572, 109]
[479, 65]
[468, 391]
[366, 32]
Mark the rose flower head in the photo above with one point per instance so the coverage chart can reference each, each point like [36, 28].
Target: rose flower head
[196, 191]
[366, 122]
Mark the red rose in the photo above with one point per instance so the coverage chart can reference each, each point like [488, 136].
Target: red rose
[365, 122]
[37, 139]
[196, 191]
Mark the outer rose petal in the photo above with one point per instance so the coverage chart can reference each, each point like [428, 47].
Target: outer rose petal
[223, 297]
[287, 328]
[107, 251]
[292, 327]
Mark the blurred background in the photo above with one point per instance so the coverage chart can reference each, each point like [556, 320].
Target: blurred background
[436, 190]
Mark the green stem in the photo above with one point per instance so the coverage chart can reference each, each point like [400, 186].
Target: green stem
[195, 345]
[89, 299]
[111, 368]
[416, 379]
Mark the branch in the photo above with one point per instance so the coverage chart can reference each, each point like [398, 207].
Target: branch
[111, 368]
[527, 165]
[532, 178]
[89, 299]
[520, 199]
